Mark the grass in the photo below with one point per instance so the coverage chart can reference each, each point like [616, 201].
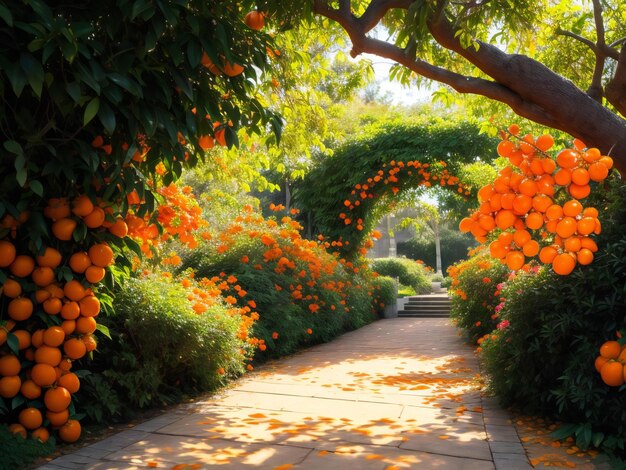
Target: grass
[405, 291]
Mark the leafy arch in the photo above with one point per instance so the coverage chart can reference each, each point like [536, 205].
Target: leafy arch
[344, 196]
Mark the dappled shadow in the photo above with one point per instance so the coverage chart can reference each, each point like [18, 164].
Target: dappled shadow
[396, 394]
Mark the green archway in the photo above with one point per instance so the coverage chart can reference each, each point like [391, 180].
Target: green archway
[345, 195]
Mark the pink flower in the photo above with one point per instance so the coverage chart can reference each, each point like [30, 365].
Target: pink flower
[503, 324]
[499, 306]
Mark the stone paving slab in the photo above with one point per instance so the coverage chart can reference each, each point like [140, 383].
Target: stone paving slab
[399, 393]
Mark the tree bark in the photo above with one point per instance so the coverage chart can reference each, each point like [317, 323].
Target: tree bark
[528, 87]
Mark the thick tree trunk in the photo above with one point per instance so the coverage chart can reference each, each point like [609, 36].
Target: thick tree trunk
[528, 87]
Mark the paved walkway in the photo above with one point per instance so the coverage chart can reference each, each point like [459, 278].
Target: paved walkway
[399, 393]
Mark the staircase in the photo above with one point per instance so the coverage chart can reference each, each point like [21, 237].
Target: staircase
[427, 306]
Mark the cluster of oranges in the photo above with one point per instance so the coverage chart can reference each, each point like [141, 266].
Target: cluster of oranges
[51, 304]
[610, 363]
[523, 204]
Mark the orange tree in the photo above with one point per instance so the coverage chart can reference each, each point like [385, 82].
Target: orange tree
[95, 97]
[344, 195]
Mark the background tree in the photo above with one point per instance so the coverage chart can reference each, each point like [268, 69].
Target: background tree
[504, 53]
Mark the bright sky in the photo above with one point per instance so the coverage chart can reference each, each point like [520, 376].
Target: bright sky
[400, 95]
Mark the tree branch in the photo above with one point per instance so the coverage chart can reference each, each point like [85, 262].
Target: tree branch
[595, 90]
[616, 88]
[587, 42]
[377, 9]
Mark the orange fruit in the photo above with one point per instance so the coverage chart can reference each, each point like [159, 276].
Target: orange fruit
[70, 381]
[101, 255]
[58, 208]
[17, 428]
[89, 306]
[12, 288]
[54, 336]
[68, 326]
[610, 350]
[584, 256]
[563, 177]
[567, 158]
[64, 228]
[578, 191]
[530, 248]
[612, 373]
[606, 161]
[95, 218]
[57, 419]
[544, 142]
[598, 171]
[30, 418]
[30, 389]
[522, 204]
[580, 176]
[37, 338]
[534, 220]
[43, 276]
[74, 348]
[232, 69]
[554, 212]
[23, 339]
[10, 386]
[41, 295]
[51, 258]
[254, 20]
[70, 431]
[79, 262]
[566, 227]
[74, 290]
[206, 142]
[7, 253]
[94, 274]
[41, 434]
[119, 228]
[505, 219]
[70, 310]
[52, 306]
[548, 165]
[541, 202]
[572, 244]
[57, 399]
[90, 342]
[208, 63]
[515, 260]
[547, 254]
[572, 208]
[82, 206]
[48, 355]
[85, 325]
[599, 362]
[20, 308]
[466, 225]
[22, 266]
[563, 264]
[521, 237]
[586, 225]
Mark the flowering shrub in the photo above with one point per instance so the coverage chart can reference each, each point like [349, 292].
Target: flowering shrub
[292, 289]
[475, 291]
[543, 362]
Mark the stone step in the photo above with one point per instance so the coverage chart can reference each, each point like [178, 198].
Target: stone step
[428, 302]
[439, 308]
[423, 314]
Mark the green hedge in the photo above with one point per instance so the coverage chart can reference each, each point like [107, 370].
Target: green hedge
[454, 246]
[408, 272]
[161, 349]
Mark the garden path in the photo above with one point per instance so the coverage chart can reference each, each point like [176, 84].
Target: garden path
[399, 393]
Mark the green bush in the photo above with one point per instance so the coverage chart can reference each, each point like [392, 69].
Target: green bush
[474, 290]
[19, 452]
[161, 349]
[543, 362]
[454, 246]
[446, 282]
[385, 289]
[303, 294]
[408, 272]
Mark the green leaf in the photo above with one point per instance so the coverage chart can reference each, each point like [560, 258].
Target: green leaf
[91, 110]
[13, 147]
[107, 117]
[14, 343]
[104, 330]
[73, 89]
[5, 14]
[21, 176]
[18, 401]
[36, 187]
[17, 78]
[34, 72]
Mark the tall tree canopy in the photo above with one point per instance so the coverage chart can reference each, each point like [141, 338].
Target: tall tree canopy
[560, 64]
